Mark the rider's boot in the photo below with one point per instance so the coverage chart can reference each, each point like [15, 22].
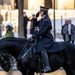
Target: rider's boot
[46, 62]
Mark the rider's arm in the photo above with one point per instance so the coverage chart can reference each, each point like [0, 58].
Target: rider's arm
[42, 29]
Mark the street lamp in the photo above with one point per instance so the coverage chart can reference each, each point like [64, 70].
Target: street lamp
[54, 22]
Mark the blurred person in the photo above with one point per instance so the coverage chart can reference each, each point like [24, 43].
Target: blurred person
[9, 31]
[33, 23]
[26, 19]
[63, 31]
[71, 32]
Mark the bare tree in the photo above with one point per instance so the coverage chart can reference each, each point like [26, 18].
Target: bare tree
[20, 19]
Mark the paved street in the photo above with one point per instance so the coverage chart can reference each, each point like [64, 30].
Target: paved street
[10, 73]
[59, 72]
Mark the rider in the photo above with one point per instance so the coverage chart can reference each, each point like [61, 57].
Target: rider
[44, 37]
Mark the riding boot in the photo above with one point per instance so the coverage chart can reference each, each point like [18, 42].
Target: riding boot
[46, 62]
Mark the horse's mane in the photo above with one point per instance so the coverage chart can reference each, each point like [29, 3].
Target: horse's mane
[13, 39]
[12, 44]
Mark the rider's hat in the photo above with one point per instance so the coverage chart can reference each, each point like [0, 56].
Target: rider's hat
[42, 8]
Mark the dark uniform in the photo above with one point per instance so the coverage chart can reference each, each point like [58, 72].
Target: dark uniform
[44, 36]
[26, 19]
[33, 24]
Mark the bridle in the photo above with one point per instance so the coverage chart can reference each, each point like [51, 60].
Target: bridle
[5, 61]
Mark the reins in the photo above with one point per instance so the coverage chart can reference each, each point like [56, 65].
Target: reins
[22, 50]
[26, 51]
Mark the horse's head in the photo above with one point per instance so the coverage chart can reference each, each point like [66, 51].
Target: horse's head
[5, 61]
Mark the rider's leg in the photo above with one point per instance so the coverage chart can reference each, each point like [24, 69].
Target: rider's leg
[46, 62]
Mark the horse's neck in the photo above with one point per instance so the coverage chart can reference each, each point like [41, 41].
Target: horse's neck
[14, 53]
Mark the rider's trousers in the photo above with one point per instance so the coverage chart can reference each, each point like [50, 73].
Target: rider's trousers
[45, 58]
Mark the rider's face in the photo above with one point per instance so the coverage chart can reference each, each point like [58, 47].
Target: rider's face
[41, 13]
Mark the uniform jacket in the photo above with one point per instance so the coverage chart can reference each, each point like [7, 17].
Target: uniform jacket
[44, 36]
[65, 31]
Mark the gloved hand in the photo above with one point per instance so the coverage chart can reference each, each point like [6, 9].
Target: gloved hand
[30, 39]
[37, 14]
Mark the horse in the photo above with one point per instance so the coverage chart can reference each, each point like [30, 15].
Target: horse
[64, 58]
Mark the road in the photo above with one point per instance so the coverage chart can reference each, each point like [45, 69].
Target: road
[58, 72]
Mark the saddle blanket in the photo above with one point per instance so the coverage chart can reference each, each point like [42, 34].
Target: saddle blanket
[56, 47]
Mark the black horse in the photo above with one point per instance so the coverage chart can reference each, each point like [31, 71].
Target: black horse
[64, 58]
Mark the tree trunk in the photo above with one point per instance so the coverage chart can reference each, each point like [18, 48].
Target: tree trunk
[20, 19]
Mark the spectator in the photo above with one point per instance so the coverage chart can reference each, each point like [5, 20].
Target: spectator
[9, 32]
[62, 31]
[26, 19]
[33, 23]
[69, 31]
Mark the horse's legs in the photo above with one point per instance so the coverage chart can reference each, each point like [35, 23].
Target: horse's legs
[22, 71]
[67, 69]
[29, 72]
[21, 68]
[73, 71]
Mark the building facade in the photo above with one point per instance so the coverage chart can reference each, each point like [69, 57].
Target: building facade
[34, 4]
